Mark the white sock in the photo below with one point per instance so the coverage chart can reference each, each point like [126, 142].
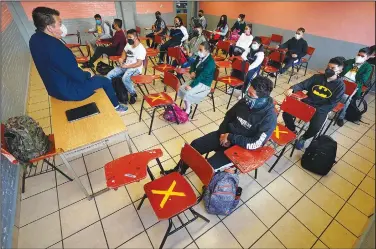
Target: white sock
[187, 107]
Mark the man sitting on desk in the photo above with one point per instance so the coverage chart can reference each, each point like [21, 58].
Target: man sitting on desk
[115, 49]
[57, 65]
[249, 124]
[297, 49]
[324, 91]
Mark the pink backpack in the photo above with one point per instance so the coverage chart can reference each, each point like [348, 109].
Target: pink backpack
[180, 114]
[234, 36]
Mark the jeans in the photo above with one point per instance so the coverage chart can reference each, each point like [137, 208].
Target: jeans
[314, 125]
[347, 103]
[289, 62]
[206, 144]
[99, 51]
[126, 74]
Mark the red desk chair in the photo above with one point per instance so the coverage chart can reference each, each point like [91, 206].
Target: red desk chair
[33, 170]
[172, 194]
[172, 53]
[207, 34]
[138, 30]
[74, 45]
[162, 99]
[350, 90]
[283, 136]
[224, 46]
[143, 80]
[265, 40]
[247, 160]
[302, 63]
[233, 81]
[85, 59]
[276, 39]
[371, 83]
[274, 63]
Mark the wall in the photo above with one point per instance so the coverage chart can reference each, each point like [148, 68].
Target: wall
[15, 65]
[333, 28]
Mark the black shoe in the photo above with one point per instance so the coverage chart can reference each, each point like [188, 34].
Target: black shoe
[340, 122]
[273, 75]
[132, 99]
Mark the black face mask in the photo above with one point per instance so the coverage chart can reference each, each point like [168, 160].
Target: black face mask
[157, 17]
[177, 25]
[130, 41]
[329, 73]
[113, 27]
[200, 15]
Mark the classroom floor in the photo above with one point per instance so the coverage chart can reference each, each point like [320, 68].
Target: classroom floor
[287, 208]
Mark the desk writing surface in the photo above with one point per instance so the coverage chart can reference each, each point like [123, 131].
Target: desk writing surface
[71, 135]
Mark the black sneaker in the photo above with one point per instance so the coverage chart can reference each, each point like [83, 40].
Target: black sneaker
[340, 122]
[133, 99]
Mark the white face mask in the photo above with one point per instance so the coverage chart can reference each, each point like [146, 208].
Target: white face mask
[255, 46]
[359, 59]
[297, 36]
[201, 54]
[63, 30]
[239, 19]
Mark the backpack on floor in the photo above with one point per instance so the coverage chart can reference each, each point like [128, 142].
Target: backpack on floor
[120, 90]
[223, 194]
[103, 68]
[320, 156]
[25, 139]
[353, 112]
[181, 115]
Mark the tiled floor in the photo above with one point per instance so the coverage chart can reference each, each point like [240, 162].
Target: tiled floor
[287, 208]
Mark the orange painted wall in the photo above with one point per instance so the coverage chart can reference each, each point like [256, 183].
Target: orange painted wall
[347, 21]
[72, 10]
[152, 7]
[6, 17]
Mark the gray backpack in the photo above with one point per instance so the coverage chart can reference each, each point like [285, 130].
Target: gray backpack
[223, 194]
[25, 139]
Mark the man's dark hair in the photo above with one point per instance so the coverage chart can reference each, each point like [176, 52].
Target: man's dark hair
[132, 32]
[118, 22]
[242, 16]
[301, 29]
[180, 20]
[206, 45]
[44, 16]
[262, 85]
[97, 16]
[257, 39]
[158, 13]
[365, 50]
[339, 61]
[201, 11]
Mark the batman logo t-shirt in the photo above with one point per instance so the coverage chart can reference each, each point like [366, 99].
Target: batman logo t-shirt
[322, 91]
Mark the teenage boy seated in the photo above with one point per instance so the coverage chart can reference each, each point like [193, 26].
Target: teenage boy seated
[324, 92]
[102, 29]
[159, 28]
[57, 65]
[356, 70]
[296, 49]
[118, 42]
[249, 124]
[135, 54]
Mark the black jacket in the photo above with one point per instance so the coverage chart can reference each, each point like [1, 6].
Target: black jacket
[249, 128]
[322, 95]
[295, 46]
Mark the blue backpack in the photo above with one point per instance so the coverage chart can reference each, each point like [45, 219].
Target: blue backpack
[223, 194]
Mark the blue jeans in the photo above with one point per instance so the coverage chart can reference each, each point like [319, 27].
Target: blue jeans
[289, 62]
[126, 74]
[347, 103]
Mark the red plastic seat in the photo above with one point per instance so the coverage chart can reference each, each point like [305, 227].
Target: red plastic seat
[223, 64]
[222, 45]
[265, 40]
[303, 63]
[277, 57]
[72, 45]
[173, 53]
[276, 38]
[248, 160]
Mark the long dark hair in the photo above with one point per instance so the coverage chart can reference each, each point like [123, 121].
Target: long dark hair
[222, 24]
[180, 20]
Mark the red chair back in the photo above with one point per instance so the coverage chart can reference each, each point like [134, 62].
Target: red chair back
[197, 163]
[145, 64]
[265, 40]
[276, 38]
[310, 51]
[174, 52]
[158, 39]
[138, 30]
[88, 49]
[224, 45]
[350, 87]
[298, 109]
[277, 56]
[171, 80]
[238, 65]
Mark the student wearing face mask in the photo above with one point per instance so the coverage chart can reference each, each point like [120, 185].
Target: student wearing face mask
[244, 42]
[159, 28]
[249, 124]
[239, 25]
[201, 74]
[200, 20]
[134, 55]
[192, 47]
[220, 32]
[178, 35]
[102, 29]
[118, 42]
[356, 70]
[57, 65]
[324, 92]
[296, 50]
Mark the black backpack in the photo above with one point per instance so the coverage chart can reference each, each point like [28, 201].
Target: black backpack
[354, 113]
[103, 68]
[320, 156]
[120, 90]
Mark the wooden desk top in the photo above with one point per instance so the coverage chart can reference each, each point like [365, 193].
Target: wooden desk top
[72, 135]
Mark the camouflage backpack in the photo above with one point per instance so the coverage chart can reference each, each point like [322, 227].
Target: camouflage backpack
[25, 139]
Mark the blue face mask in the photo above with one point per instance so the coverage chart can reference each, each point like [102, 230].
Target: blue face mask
[255, 102]
[98, 22]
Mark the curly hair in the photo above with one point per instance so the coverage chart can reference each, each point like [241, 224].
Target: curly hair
[262, 85]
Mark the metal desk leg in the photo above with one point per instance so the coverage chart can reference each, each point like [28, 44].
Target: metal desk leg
[76, 178]
[128, 139]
